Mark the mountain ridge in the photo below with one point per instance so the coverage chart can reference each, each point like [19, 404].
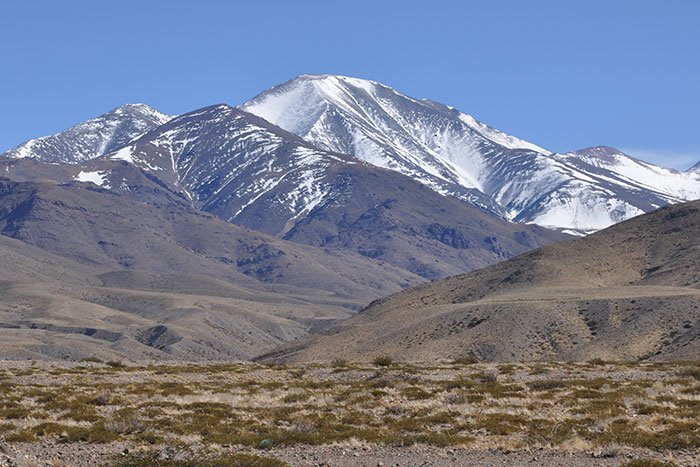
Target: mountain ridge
[577, 192]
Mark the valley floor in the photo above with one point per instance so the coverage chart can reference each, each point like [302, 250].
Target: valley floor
[380, 414]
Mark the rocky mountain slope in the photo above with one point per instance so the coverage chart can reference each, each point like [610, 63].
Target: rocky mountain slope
[150, 228]
[93, 137]
[631, 291]
[219, 234]
[449, 151]
[457, 155]
[146, 273]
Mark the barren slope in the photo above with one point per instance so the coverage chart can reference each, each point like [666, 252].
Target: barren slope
[628, 292]
[54, 307]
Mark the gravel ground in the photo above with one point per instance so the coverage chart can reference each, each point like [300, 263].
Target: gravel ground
[79, 455]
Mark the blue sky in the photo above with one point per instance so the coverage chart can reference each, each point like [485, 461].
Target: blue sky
[563, 74]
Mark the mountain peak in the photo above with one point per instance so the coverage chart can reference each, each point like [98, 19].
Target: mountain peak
[209, 110]
[601, 150]
[94, 137]
[437, 145]
[606, 154]
[349, 79]
[454, 154]
[135, 107]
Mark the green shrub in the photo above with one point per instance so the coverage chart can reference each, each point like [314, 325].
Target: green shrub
[383, 360]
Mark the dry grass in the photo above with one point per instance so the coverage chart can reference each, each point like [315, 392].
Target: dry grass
[516, 406]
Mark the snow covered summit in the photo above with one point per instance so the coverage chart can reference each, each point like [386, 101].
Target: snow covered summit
[93, 138]
[456, 155]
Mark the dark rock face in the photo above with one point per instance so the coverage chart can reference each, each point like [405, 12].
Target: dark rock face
[450, 236]
[155, 230]
[259, 261]
[159, 337]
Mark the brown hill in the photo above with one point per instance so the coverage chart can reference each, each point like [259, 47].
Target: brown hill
[628, 292]
[54, 307]
[142, 275]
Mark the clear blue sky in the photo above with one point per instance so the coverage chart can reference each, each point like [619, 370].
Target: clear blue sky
[563, 74]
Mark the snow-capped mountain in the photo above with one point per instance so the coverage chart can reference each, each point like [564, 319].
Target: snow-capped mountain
[230, 163]
[344, 120]
[596, 187]
[695, 168]
[249, 172]
[456, 155]
[427, 141]
[93, 137]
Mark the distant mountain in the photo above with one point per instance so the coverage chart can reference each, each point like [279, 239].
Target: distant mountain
[427, 141]
[695, 168]
[629, 292]
[93, 137]
[219, 234]
[456, 155]
[247, 171]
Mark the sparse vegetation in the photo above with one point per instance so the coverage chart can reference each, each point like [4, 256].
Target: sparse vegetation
[383, 360]
[464, 404]
[466, 360]
[339, 363]
[647, 463]
[91, 360]
[115, 364]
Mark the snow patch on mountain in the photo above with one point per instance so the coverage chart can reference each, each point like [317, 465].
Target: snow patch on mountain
[124, 154]
[235, 164]
[309, 191]
[643, 175]
[581, 210]
[98, 178]
[499, 137]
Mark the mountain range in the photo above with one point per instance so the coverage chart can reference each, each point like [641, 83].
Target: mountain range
[181, 236]
[93, 137]
[82, 262]
[448, 151]
[246, 171]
